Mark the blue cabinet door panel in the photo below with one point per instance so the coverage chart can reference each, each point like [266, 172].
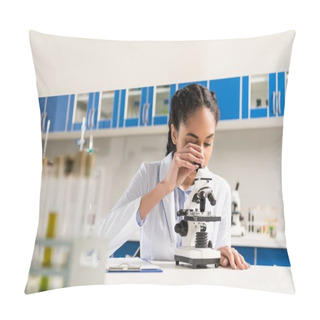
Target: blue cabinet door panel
[160, 120]
[95, 107]
[76, 126]
[282, 90]
[132, 122]
[163, 119]
[128, 122]
[146, 106]
[144, 93]
[122, 108]
[149, 101]
[228, 95]
[272, 97]
[116, 109]
[42, 102]
[259, 113]
[56, 109]
[245, 97]
[173, 89]
[105, 124]
[182, 85]
[42, 105]
[271, 257]
[70, 112]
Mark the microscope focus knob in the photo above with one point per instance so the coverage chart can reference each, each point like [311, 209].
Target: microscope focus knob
[212, 199]
[181, 228]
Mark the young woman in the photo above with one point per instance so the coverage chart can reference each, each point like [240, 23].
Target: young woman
[159, 189]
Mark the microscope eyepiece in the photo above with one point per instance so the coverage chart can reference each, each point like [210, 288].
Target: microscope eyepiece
[202, 197]
[200, 166]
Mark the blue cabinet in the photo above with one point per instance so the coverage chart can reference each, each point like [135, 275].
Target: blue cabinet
[277, 93]
[271, 257]
[256, 96]
[56, 110]
[161, 103]
[106, 116]
[227, 92]
[263, 95]
[135, 107]
[228, 95]
[264, 256]
[145, 106]
[43, 116]
[253, 255]
[84, 106]
[184, 84]
[99, 108]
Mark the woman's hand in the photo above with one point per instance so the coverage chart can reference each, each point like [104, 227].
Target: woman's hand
[184, 162]
[182, 165]
[230, 256]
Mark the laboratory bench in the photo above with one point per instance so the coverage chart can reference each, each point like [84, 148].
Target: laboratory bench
[274, 279]
[257, 249]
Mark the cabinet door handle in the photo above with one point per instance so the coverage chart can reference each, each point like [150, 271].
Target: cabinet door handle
[92, 117]
[44, 117]
[274, 102]
[41, 121]
[279, 102]
[147, 113]
[144, 114]
[89, 119]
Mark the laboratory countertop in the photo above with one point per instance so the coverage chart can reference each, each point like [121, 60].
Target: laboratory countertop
[248, 240]
[259, 240]
[274, 279]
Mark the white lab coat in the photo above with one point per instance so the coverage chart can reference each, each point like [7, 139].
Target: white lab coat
[157, 236]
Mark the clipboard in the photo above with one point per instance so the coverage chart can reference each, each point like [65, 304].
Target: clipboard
[131, 265]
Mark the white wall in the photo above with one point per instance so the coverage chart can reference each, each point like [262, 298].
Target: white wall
[251, 157]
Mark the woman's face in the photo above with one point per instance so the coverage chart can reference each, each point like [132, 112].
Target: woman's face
[200, 130]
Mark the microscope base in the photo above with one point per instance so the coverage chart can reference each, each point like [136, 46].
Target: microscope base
[198, 258]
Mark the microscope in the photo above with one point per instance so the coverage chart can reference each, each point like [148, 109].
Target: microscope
[193, 228]
[236, 228]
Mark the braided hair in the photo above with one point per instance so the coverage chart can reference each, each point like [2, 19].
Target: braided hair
[185, 102]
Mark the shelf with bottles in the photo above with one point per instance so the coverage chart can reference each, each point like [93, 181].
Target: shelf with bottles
[263, 221]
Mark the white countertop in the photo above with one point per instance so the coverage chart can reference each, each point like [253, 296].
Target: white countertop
[259, 240]
[274, 279]
[248, 240]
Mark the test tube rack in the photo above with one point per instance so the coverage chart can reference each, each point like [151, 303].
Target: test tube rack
[85, 263]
